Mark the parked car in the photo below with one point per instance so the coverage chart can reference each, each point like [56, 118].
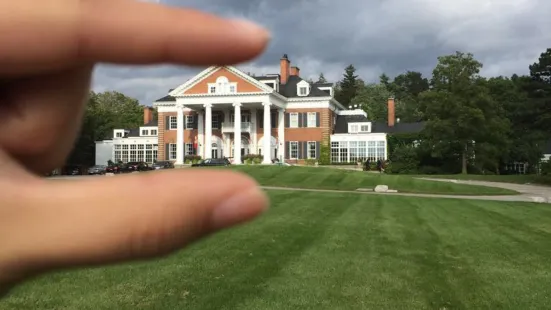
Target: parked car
[135, 166]
[212, 162]
[114, 168]
[98, 169]
[162, 165]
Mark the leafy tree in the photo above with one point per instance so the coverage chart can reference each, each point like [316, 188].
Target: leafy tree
[104, 112]
[460, 111]
[539, 91]
[321, 79]
[373, 99]
[348, 86]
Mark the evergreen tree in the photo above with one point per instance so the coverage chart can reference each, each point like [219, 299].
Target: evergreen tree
[348, 87]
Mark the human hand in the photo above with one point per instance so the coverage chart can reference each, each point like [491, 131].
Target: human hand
[48, 52]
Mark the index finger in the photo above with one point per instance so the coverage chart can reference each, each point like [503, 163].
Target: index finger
[61, 33]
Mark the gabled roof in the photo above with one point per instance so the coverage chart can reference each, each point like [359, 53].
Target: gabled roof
[166, 98]
[289, 89]
[207, 72]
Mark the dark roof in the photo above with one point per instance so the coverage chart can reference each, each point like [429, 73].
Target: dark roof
[323, 84]
[289, 89]
[266, 77]
[152, 123]
[341, 125]
[398, 127]
[134, 132]
[166, 98]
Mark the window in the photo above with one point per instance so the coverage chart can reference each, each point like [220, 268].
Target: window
[272, 85]
[215, 121]
[311, 149]
[118, 153]
[133, 153]
[232, 89]
[172, 151]
[303, 91]
[189, 121]
[312, 119]
[353, 128]
[155, 151]
[173, 122]
[293, 120]
[189, 149]
[124, 153]
[153, 132]
[364, 128]
[145, 132]
[293, 149]
[118, 134]
[212, 89]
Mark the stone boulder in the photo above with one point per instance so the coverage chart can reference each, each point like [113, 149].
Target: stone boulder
[381, 188]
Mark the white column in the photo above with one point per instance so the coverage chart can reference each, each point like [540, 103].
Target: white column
[208, 130]
[227, 140]
[281, 135]
[180, 134]
[253, 147]
[237, 134]
[267, 147]
[200, 134]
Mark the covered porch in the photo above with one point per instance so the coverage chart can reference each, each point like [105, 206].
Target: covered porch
[233, 129]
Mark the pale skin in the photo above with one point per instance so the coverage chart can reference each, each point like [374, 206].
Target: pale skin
[49, 49]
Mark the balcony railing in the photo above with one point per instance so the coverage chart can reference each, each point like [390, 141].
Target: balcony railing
[230, 127]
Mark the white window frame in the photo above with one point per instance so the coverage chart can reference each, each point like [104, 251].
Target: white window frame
[171, 123]
[311, 119]
[353, 128]
[366, 128]
[118, 134]
[303, 91]
[172, 150]
[188, 118]
[153, 132]
[189, 149]
[291, 144]
[145, 132]
[232, 88]
[293, 123]
[309, 150]
[212, 88]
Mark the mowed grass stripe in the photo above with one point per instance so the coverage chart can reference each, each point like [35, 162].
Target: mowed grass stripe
[339, 179]
[334, 251]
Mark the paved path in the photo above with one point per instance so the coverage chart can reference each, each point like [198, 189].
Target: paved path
[529, 193]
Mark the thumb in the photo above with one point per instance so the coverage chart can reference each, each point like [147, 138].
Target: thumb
[59, 223]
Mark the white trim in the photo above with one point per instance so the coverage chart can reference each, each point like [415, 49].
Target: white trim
[178, 91]
[291, 150]
[308, 150]
[291, 121]
[308, 114]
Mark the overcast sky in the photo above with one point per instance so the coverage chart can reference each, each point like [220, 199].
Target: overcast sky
[377, 36]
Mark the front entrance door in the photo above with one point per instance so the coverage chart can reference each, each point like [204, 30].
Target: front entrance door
[214, 153]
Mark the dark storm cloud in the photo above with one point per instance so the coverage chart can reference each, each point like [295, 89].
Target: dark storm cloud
[389, 36]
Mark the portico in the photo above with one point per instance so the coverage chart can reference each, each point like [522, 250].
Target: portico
[228, 127]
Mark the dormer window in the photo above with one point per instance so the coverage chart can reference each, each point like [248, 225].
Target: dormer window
[303, 88]
[119, 135]
[145, 132]
[359, 127]
[222, 86]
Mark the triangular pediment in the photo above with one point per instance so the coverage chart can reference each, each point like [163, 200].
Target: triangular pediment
[200, 83]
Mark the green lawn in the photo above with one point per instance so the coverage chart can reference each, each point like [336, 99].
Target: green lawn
[334, 251]
[329, 178]
[518, 179]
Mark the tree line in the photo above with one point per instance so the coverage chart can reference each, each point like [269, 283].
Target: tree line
[473, 124]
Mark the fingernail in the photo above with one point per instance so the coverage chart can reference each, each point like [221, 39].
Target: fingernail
[249, 28]
[239, 208]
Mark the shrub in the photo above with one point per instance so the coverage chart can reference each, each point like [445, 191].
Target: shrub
[325, 154]
[404, 160]
[310, 162]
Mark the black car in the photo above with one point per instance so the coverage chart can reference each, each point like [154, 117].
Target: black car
[136, 166]
[212, 162]
[162, 165]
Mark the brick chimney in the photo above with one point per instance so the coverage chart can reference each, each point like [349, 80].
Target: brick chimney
[284, 65]
[391, 112]
[295, 71]
[147, 114]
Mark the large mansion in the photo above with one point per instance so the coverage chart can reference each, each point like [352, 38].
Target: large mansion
[224, 112]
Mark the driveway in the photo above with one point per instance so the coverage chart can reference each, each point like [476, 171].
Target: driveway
[529, 193]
